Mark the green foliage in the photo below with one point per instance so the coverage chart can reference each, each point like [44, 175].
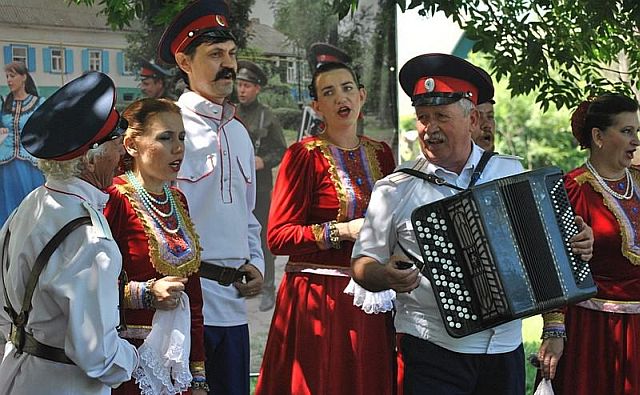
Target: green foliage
[567, 50]
[541, 138]
[154, 15]
[289, 118]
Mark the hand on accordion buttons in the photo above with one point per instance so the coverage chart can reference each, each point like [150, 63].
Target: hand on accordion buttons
[582, 243]
[402, 278]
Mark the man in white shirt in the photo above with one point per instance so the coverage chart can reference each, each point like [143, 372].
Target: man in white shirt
[68, 344]
[218, 179]
[444, 90]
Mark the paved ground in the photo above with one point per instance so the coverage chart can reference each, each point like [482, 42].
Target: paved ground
[259, 321]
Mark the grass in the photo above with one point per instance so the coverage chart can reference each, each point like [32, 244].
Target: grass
[531, 330]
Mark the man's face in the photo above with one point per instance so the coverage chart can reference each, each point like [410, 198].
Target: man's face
[152, 87]
[487, 127]
[247, 91]
[445, 139]
[102, 169]
[211, 69]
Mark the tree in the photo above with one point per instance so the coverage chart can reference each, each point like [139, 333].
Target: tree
[566, 49]
[154, 15]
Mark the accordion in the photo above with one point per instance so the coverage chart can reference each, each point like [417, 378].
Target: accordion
[500, 251]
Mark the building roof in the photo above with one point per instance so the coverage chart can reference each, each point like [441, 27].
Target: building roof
[52, 13]
[268, 40]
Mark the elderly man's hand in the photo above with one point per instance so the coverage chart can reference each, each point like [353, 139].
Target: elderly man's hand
[254, 280]
[401, 276]
[582, 243]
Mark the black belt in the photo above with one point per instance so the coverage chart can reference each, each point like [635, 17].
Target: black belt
[40, 350]
[225, 276]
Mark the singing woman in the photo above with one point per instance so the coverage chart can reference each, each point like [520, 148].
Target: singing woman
[602, 351]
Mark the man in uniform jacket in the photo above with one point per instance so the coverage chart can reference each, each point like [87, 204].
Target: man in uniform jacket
[269, 145]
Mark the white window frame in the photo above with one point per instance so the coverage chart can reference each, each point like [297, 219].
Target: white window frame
[20, 58]
[291, 72]
[95, 59]
[127, 66]
[57, 60]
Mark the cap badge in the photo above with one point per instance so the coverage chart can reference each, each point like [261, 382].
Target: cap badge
[220, 20]
[429, 84]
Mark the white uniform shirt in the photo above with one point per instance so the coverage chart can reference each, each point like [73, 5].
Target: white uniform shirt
[75, 303]
[218, 178]
[388, 221]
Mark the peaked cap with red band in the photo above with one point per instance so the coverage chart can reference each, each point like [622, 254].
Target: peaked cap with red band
[151, 70]
[77, 117]
[437, 79]
[320, 53]
[202, 17]
[487, 76]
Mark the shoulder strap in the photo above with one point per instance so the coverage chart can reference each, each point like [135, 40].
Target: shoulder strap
[484, 159]
[20, 320]
[431, 178]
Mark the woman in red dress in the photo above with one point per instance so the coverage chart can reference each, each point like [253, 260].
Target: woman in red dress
[602, 351]
[319, 342]
[150, 222]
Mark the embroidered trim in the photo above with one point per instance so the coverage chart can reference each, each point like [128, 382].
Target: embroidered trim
[317, 268]
[318, 231]
[371, 167]
[611, 306]
[626, 231]
[159, 263]
[138, 332]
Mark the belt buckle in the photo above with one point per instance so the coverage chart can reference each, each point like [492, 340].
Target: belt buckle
[227, 276]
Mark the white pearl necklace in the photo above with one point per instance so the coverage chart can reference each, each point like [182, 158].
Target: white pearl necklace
[628, 193]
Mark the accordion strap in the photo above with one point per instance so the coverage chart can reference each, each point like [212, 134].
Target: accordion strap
[482, 163]
[433, 179]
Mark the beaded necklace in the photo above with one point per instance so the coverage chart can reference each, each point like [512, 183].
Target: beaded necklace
[149, 203]
[628, 193]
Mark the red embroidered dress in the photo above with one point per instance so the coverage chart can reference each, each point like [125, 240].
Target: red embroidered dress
[602, 352]
[149, 251]
[319, 342]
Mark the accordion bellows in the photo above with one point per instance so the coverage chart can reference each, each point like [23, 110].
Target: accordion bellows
[500, 251]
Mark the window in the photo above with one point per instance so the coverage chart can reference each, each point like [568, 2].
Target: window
[19, 54]
[125, 65]
[57, 60]
[95, 60]
[291, 72]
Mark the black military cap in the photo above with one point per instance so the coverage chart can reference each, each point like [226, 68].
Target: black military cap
[320, 53]
[151, 70]
[249, 71]
[488, 77]
[77, 117]
[435, 79]
[202, 17]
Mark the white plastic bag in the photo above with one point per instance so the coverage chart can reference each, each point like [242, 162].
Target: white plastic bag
[544, 388]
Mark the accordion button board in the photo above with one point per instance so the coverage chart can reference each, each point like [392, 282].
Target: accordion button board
[500, 251]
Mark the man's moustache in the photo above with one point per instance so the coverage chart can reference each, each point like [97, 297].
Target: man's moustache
[226, 72]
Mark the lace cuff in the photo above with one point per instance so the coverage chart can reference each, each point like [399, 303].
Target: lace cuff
[371, 302]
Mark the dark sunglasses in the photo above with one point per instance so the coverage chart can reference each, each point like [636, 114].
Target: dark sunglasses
[118, 131]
